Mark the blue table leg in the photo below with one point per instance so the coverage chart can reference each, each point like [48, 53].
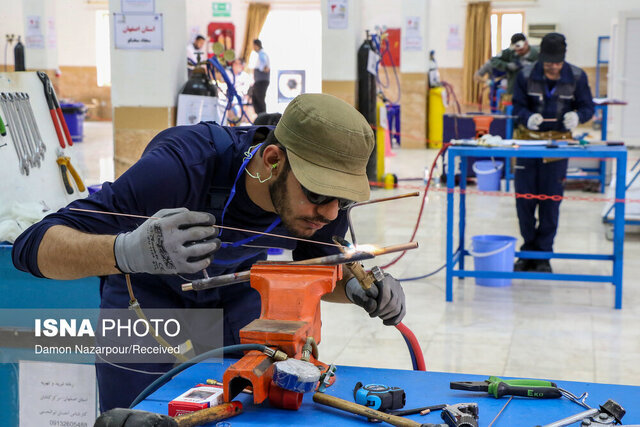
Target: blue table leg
[463, 208]
[451, 177]
[507, 173]
[603, 174]
[603, 124]
[603, 136]
[618, 226]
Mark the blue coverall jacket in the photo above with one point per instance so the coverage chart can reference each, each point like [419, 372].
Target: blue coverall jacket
[534, 94]
[186, 166]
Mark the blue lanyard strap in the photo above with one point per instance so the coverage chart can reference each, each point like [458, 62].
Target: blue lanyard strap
[248, 155]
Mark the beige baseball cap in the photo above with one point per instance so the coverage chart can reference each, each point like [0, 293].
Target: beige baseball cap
[328, 144]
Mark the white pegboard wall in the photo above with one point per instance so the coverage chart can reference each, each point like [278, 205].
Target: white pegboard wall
[44, 183]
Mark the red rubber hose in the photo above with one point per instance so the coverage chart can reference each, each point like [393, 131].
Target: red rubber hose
[415, 345]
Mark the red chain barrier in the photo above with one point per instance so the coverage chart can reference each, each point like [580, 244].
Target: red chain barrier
[556, 197]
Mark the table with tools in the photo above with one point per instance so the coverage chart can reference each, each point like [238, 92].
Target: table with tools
[422, 389]
[456, 257]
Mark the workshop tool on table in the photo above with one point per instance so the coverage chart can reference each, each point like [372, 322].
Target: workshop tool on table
[28, 157]
[610, 413]
[354, 408]
[418, 410]
[121, 417]
[67, 168]
[501, 411]
[379, 397]
[290, 314]
[460, 415]
[350, 256]
[56, 112]
[497, 387]
[327, 378]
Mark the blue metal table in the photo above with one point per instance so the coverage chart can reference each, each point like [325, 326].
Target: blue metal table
[457, 257]
[422, 389]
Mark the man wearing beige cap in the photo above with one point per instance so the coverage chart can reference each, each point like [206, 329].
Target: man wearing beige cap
[294, 180]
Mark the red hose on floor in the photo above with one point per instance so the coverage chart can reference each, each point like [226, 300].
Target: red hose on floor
[415, 345]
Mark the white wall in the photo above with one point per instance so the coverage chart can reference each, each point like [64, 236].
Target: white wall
[444, 14]
[12, 23]
[581, 21]
[152, 78]
[75, 25]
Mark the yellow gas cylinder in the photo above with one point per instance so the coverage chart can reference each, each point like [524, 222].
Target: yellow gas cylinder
[381, 134]
[435, 117]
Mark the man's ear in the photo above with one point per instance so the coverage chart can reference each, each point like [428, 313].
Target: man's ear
[272, 158]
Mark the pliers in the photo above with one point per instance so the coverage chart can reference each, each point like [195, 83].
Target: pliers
[56, 112]
[65, 168]
[498, 387]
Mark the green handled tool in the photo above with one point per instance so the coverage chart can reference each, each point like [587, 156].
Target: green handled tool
[498, 387]
[3, 129]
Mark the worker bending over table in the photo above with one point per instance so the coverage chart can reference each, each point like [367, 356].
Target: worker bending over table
[294, 180]
[550, 98]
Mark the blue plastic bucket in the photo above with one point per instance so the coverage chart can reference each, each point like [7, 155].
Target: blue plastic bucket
[493, 253]
[488, 173]
[74, 116]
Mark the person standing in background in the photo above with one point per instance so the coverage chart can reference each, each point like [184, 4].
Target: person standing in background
[512, 59]
[550, 98]
[261, 73]
[196, 53]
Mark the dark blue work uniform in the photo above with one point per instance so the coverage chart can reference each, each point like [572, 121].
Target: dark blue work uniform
[193, 167]
[534, 93]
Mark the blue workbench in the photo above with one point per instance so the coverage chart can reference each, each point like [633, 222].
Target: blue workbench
[456, 257]
[21, 290]
[422, 389]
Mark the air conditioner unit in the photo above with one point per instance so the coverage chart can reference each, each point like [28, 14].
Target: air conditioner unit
[537, 32]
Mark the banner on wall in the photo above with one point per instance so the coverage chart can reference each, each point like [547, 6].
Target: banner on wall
[138, 31]
[34, 38]
[337, 14]
[412, 36]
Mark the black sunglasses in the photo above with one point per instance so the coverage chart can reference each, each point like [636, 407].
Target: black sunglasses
[319, 199]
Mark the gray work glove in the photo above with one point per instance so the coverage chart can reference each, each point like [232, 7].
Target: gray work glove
[385, 299]
[180, 241]
[513, 66]
[534, 122]
[570, 120]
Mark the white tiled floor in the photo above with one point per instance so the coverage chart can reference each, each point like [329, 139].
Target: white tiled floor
[554, 330]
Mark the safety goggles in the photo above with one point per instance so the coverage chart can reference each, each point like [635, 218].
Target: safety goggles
[319, 199]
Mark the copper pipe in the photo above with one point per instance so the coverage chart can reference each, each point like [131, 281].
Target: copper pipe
[368, 202]
[342, 258]
[224, 227]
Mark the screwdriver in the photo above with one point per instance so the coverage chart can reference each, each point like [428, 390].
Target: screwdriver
[498, 387]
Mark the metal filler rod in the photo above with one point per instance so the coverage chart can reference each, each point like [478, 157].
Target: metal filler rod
[342, 258]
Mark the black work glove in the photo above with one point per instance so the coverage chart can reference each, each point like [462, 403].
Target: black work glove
[121, 417]
[385, 299]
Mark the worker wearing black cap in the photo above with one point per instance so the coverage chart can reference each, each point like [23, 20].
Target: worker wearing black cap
[512, 60]
[551, 97]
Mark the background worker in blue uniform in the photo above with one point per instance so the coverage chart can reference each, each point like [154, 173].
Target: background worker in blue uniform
[551, 97]
[295, 180]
